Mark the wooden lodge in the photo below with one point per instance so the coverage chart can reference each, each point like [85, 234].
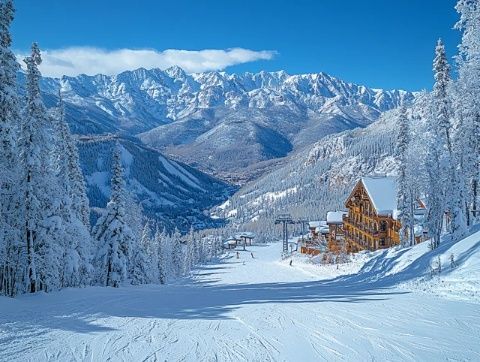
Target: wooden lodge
[371, 222]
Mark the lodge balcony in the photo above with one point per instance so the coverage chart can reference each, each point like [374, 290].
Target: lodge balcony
[363, 228]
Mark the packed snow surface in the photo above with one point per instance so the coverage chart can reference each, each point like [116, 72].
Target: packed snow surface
[262, 309]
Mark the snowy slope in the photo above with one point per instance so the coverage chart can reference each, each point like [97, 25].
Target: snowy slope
[258, 309]
[170, 192]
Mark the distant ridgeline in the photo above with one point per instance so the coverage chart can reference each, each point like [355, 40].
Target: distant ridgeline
[233, 126]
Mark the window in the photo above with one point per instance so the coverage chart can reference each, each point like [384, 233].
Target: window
[382, 242]
[383, 225]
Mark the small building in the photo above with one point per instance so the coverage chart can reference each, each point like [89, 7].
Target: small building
[336, 239]
[230, 243]
[317, 229]
[316, 243]
[245, 238]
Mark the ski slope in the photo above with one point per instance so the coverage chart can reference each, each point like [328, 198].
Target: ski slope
[257, 309]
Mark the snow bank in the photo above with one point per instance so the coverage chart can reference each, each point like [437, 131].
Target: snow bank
[451, 271]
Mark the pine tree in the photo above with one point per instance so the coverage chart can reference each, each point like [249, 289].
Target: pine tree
[11, 252]
[404, 191]
[439, 166]
[148, 244]
[42, 229]
[162, 253]
[442, 106]
[177, 254]
[76, 240]
[140, 264]
[112, 233]
[468, 116]
[73, 172]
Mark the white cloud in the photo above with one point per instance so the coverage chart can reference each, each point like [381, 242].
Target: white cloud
[87, 60]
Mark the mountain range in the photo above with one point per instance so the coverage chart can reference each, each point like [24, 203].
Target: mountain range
[294, 142]
[233, 126]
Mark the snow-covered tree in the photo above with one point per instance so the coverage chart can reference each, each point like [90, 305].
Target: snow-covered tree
[113, 234]
[468, 93]
[439, 151]
[177, 256]
[404, 192]
[141, 270]
[43, 227]
[162, 255]
[148, 244]
[76, 240]
[67, 158]
[11, 251]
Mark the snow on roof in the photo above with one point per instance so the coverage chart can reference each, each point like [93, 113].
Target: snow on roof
[245, 234]
[382, 192]
[316, 224]
[335, 217]
[322, 230]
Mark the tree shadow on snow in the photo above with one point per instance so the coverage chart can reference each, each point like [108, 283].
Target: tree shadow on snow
[79, 310]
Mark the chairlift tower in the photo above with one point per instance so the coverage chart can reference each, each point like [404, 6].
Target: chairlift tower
[285, 220]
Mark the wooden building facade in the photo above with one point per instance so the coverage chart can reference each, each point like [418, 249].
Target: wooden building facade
[336, 235]
[371, 220]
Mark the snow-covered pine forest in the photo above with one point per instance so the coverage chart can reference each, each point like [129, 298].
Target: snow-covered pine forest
[46, 240]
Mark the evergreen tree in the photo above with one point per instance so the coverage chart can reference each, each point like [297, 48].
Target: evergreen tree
[162, 252]
[141, 271]
[73, 172]
[76, 240]
[112, 233]
[149, 245]
[404, 190]
[468, 115]
[43, 226]
[177, 254]
[439, 166]
[11, 252]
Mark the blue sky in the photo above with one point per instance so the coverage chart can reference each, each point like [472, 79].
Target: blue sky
[379, 43]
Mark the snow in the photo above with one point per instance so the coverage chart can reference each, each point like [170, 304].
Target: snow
[335, 217]
[382, 192]
[174, 170]
[317, 224]
[261, 309]
[101, 180]
[245, 234]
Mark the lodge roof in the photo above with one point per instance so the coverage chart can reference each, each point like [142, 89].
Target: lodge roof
[382, 191]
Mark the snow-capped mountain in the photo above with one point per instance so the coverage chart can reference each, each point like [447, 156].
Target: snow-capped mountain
[230, 125]
[170, 192]
[318, 180]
